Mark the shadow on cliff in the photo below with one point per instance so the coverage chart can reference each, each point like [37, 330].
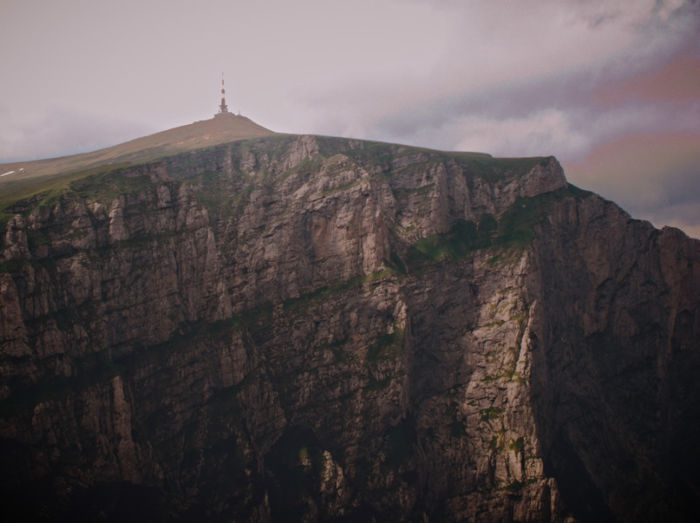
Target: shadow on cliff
[614, 384]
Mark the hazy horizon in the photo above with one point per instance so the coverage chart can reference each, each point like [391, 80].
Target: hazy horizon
[613, 91]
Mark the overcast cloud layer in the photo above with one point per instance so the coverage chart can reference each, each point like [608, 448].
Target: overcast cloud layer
[611, 88]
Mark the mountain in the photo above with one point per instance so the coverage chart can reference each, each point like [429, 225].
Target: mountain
[22, 179]
[303, 328]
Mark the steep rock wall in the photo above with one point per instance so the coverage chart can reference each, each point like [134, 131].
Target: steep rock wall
[314, 328]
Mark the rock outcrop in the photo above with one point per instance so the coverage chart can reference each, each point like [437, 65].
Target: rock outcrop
[306, 328]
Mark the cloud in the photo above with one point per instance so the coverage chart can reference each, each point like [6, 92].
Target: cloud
[542, 132]
[61, 132]
[530, 77]
[510, 63]
[677, 80]
[652, 176]
[327, 66]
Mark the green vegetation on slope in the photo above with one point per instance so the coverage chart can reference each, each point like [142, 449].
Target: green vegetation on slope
[515, 229]
[384, 155]
[198, 135]
[386, 346]
[45, 178]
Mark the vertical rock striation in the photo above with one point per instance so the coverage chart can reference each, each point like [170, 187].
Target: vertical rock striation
[310, 328]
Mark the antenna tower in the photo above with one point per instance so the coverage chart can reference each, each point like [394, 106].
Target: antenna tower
[223, 108]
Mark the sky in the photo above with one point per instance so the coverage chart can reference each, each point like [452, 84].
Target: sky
[611, 88]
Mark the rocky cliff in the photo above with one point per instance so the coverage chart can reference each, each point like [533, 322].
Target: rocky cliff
[306, 328]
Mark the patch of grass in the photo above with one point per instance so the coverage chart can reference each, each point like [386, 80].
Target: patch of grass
[375, 153]
[510, 375]
[296, 305]
[413, 190]
[516, 227]
[341, 188]
[306, 166]
[514, 230]
[516, 223]
[493, 260]
[494, 169]
[395, 264]
[490, 413]
[103, 182]
[463, 237]
[578, 192]
[386, 155]
[22, 194]
[104, 186]
[517, 445]
[496, 443]
[221, 197]
[385, 346]
[381, 275]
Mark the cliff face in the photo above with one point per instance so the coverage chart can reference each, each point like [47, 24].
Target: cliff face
[313, 328]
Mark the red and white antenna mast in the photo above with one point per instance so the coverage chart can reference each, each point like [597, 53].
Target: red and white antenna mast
[223, 108]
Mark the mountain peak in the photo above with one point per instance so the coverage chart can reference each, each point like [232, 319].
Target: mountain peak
[222, 128]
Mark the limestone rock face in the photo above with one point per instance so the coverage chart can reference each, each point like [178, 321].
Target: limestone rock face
[306, 328]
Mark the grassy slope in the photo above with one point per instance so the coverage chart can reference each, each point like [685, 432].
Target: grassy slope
[56, 173]
[50, 177]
